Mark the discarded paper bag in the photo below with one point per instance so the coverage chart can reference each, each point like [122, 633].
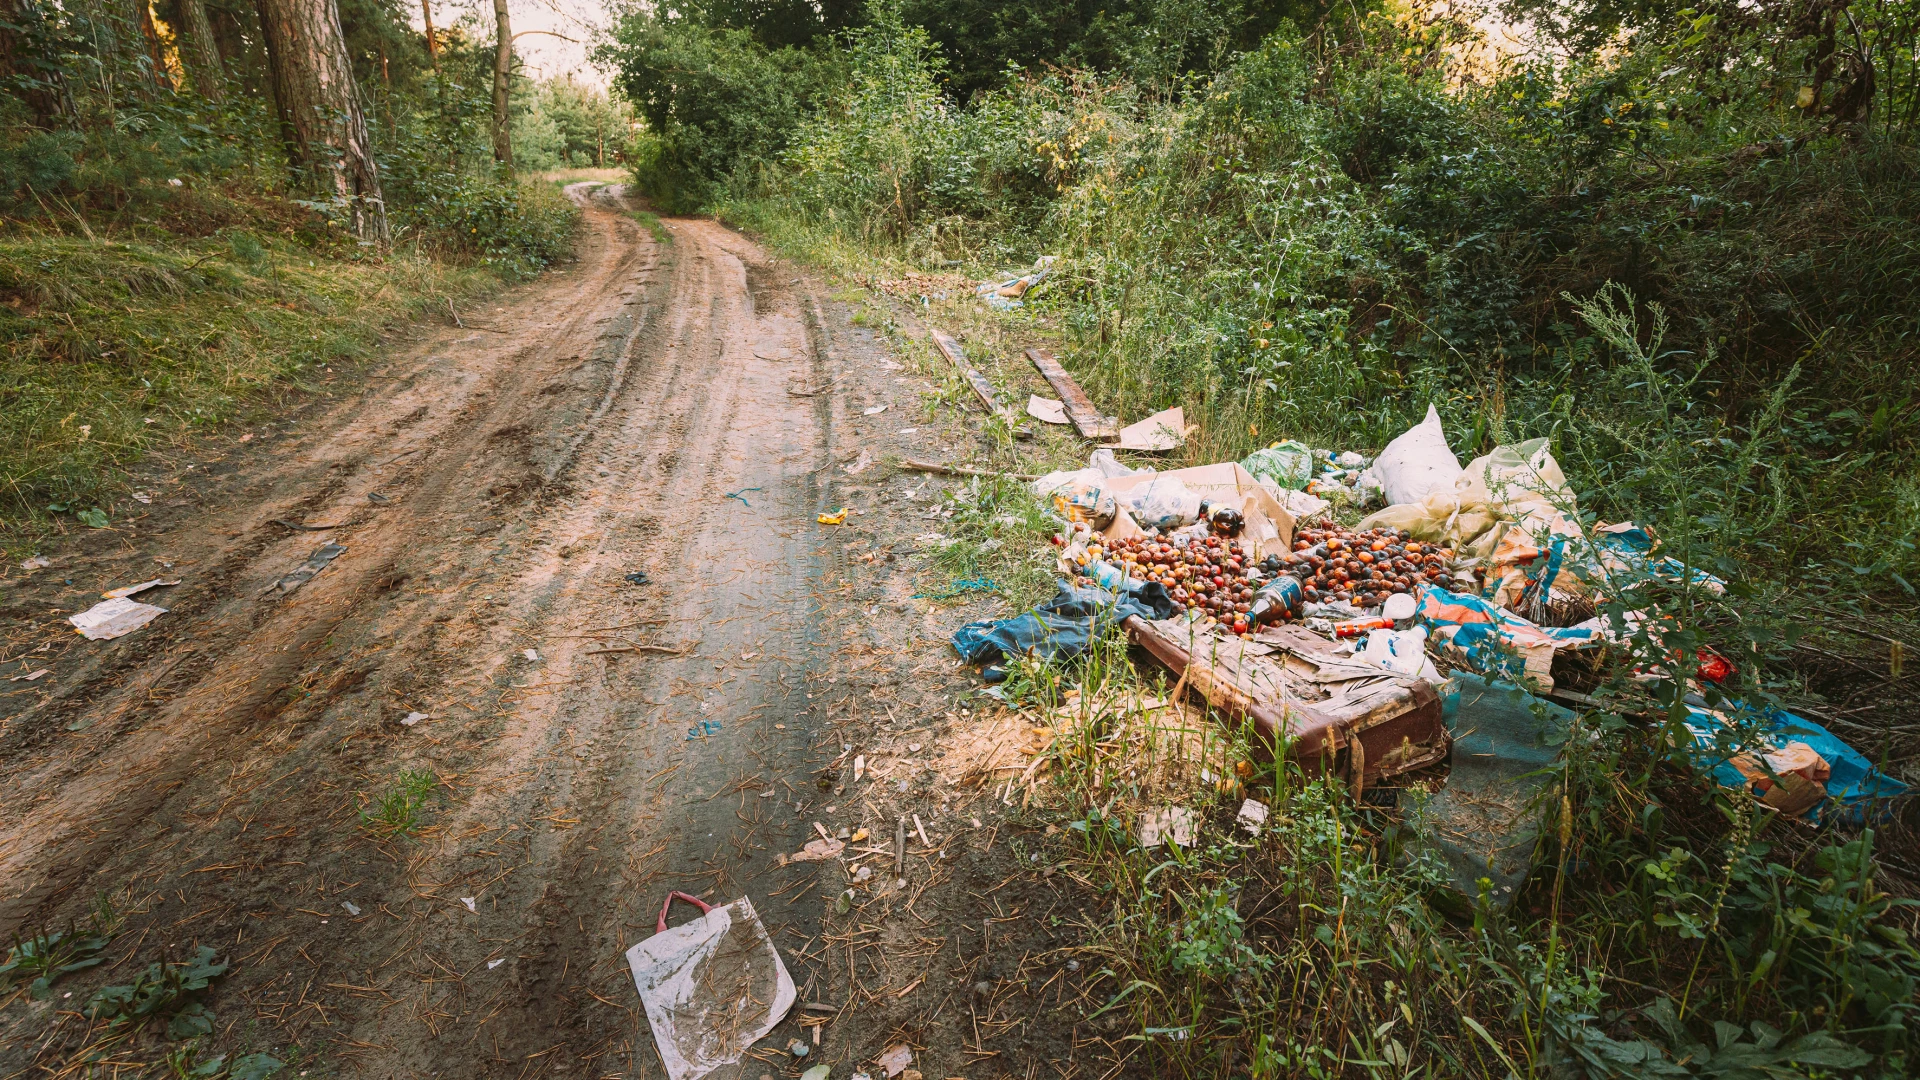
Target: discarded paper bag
[114, 618]
[1269, 528]
[711, 987]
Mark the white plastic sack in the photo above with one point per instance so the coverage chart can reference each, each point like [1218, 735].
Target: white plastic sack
[1418, 463]
[712, 987]
[1162, 503]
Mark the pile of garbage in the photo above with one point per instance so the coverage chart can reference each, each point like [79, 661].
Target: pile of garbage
[1483, 567]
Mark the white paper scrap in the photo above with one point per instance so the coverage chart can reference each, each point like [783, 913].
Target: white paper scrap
[1046, 410]
[114, 618]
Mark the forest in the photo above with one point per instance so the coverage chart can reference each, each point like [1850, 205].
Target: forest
[203, 201]
[1675, 243]
[1680, 241]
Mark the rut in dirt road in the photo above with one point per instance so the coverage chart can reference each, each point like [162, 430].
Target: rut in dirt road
[591, 741]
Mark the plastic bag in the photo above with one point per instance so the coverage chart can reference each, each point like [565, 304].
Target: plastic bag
[1288, 464]
[1418, 463]
[1162, 504]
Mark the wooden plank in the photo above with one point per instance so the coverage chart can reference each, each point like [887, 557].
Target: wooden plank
[950, 349]
[1086, 419]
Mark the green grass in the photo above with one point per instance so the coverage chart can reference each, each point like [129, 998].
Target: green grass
[110, 349]
[654, 225]
[396, 812]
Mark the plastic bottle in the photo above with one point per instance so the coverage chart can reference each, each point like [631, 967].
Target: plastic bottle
[1282, 598]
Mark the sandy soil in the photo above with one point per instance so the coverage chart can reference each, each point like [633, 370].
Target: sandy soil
[679, 410]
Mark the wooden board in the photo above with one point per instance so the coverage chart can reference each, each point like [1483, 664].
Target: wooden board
[1086, 419]
[950, 349]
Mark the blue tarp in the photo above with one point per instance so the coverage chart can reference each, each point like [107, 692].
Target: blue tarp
[1852, 788]
[1062, 627]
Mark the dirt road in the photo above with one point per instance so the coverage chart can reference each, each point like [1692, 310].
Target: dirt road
[590, 737]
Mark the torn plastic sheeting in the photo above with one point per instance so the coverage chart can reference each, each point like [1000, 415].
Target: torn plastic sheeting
[1852, 788]
[303, 573]
[1627, 549]
[1483, 823]
[1005, 295]
[712, 987]
[1495, 641]
[1063, 626]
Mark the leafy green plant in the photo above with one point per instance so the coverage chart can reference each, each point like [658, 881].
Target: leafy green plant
[397, 811]
[166, 990]
[40, 960]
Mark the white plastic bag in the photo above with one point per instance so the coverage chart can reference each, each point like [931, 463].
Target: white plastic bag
[1162, 504]
[1418, 463]
[712, 987]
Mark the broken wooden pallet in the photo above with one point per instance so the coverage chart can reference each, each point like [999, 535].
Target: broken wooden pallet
[950, 349]
[1086, 419]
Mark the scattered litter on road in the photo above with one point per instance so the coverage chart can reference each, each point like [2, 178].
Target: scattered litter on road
[413, 718]
[37, 562]
[114, 618]
[638, 577]
[895, 1059]
[712, 987]
[468, 900]
[129, 590]
[532, 655]
[303, 573]
[742, 495]
[839, 518]
[874, 411]
[1253, 816]
[703, 730]
[818, 1072]
[1175, 823]
[798, 1048]
[144, 498]
[815, 851]
[32, 676]
[491, 964]
[352, 908]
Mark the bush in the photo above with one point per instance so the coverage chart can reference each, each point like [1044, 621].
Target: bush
[715, 100]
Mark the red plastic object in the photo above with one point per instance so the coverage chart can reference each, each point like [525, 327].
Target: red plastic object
[671, 897]
[1714, 668]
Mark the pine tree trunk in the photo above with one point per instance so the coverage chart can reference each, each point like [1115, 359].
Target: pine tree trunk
[202, 54]
[319, 104]
[502, 73]
[433, 48]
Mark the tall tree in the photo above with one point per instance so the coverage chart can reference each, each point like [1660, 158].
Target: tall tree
[502, 78]
[202, 51]
[433, 47]
[319, 105]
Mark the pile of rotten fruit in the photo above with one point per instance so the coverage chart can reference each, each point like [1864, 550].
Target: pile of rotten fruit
[1220, 579]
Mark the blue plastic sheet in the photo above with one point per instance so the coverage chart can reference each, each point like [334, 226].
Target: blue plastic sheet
[1062, 627]
[1853, 789]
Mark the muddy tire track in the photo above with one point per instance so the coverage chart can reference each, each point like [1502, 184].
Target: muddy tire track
[591, 740]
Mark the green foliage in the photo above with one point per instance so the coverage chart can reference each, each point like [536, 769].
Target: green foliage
[397, 811]
[167, 990]
[40, 960]
[992, 525]
[561, 124]
[715, 100]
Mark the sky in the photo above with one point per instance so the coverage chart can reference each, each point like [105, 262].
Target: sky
[544, 56]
